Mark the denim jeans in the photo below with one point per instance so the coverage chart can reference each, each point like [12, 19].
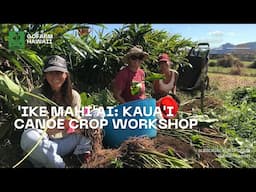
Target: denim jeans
[49, 152]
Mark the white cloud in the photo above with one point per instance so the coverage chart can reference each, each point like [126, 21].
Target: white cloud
[216, 33]
[216, 38]
[221, 33]
[219, 40]
[214, 41]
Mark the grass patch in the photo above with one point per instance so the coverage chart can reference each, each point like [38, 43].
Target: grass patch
[226, 70]
[246, 63]
[225, 82]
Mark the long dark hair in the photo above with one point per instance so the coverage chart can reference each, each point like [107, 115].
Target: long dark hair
[66, 92]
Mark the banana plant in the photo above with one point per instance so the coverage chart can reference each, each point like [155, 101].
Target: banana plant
[14, 95]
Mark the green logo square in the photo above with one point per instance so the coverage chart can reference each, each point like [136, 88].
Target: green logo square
[16, 40]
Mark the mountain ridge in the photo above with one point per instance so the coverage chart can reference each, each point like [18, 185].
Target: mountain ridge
[242, 48]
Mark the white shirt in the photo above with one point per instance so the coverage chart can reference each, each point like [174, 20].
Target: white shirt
[168, 86]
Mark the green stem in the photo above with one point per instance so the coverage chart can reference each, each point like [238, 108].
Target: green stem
[44, 99]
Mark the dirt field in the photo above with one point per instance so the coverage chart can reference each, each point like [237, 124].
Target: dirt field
[229, 82]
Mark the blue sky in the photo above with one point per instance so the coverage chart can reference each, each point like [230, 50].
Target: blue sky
[215, 34]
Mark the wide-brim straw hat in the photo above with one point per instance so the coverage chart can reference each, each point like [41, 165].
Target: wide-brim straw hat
[136, 50]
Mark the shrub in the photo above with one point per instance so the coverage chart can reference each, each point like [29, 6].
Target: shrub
[236, 71]
[236, 67]
[229, 61]
[223, 63]
[253, 65]
[212, 64]
[237, 62]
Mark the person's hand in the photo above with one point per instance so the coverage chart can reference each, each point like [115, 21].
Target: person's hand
[73, 127]
[55, 132]
[135, 88]
[68, 125]
[52, 131]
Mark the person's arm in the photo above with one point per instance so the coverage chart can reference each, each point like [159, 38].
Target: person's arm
[156, 86]
[117, 95]
[76, 104]
[37, 102]
[175, 83]
[174, 89]
[118, 85]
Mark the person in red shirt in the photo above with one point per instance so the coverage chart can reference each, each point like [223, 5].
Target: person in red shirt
[129, 84]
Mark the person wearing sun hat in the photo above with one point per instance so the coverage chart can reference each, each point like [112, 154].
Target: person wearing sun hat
[165, 86]
[129, 85]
